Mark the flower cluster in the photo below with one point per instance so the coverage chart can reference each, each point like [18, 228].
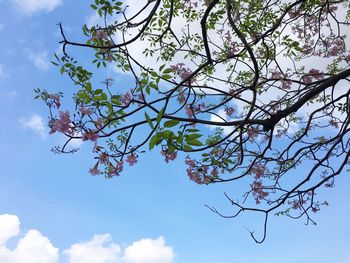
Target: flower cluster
[90, 136]
[313, 74]
[56, 100]
[199, 173]
[169, 156]
[191, 109]
[62, 124]
[283, 78]
[259, 170]
[252, 133]
[85, 111]
[258, 191]
[127, 97]
[131, 159]
[183, 72]
[229, 111]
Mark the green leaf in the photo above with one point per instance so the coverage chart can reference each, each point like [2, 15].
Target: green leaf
[154, 74]
[187, 148]
[168, 134]
[168, 70]
[155, 140]
[195, 143]
[148, 119]
[88, 86]
[98, 91]
[83, 95]
[171, 123]
[160, 115]
[193, 136]
[192, 130]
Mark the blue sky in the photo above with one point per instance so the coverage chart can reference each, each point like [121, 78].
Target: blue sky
[53, 210]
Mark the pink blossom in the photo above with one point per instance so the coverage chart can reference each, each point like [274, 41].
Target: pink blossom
[116, 169]
[94, 170]
[334, 123]
[85, 111]
[258, 191]
[347, 58]
[315, 209]
[62, 124]
[182, 71]
[127, 98]
[99, 123]
[229, 111]
[214, 172]
[58, 104]
[286, 84]
[131, 159]
[189, 110]
[295, 204]
[195, 176]
[56, 100]
[181, 98]
[259, 170]
[103, 158]
[169, 156]
[101, 34]
[315, 73]
[90, 136]
[252, 133]
[141, 97]
[307, 79]
[189, 162]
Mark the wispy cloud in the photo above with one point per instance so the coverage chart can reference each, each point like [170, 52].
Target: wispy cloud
[35, 123]
[30, 7]
[12, 94]
[3, 74]
[94, 19]
[35, 247]
[39, 59]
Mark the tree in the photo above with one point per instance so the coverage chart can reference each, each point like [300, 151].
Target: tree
[253, 90]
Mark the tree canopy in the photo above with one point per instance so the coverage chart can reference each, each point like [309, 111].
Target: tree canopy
[253, 90]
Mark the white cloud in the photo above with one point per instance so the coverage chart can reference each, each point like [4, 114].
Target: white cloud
[32, 248]
[221, 116]
[35, 123]
[33, 6]
[98, 250]
[9, 227]
[149, 251]
[39, 59]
